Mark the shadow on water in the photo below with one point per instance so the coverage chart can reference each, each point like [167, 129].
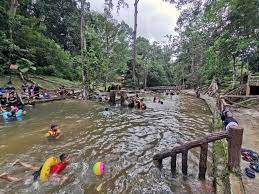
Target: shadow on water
[126, 142]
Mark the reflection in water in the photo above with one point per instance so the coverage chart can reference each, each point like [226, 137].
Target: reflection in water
[125, 141]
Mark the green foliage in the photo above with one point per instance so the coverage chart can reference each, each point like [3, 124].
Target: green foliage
[43, 38]
[25, 65]
[216, 39]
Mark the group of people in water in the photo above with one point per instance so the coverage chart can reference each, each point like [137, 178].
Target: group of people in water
[136, 102]
[11, 102]
[50, 169]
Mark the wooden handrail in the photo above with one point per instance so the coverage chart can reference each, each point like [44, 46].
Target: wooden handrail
[234, 137]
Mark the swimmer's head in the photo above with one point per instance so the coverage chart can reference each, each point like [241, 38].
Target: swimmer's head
[54, 127]
[64, 158]
[106, 109]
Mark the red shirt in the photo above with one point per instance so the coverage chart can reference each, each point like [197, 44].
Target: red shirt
[57, 168]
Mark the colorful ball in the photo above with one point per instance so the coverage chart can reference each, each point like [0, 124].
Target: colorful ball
[99, 168]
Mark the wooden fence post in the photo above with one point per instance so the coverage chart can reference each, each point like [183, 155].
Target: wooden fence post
[185, 162]
[234, 146]
[203, 161]
[173, 164]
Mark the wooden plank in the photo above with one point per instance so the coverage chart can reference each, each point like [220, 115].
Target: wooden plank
[203, 161]
[173, 163]
[185, 162]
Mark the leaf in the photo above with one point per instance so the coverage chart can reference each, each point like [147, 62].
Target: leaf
[33, 68]
[24, 70]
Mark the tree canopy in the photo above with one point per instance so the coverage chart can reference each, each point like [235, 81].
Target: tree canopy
[213, 39]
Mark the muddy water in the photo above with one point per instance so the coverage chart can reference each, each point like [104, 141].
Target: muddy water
[126, 142]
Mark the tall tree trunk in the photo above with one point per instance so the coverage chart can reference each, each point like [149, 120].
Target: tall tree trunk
[13, 7]
[134, 51]
[12, 12]
[83, 47]
[242, 76]
[107, 55]
[145, 77]
[234, 71]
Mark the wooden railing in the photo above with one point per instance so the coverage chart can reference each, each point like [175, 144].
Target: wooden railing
[234, 137]
[164, 88]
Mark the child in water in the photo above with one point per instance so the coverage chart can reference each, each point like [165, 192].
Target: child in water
[54, 133]
[54, 172]
[14, 109]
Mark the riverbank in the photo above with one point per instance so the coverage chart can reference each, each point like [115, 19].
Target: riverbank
[125, 142]
[47, 82]
[225, 181]
[249, 120]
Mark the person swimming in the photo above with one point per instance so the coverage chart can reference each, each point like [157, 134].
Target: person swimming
[53, 176]
[106, 113]
[54, 133]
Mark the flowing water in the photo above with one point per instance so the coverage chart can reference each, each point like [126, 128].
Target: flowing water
[126, 142]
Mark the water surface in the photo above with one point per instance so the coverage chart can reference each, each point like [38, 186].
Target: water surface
[126, 142]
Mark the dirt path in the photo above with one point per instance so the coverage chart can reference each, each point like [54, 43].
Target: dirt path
[249, 120]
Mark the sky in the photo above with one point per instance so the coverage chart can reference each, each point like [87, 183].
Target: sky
[155, 17]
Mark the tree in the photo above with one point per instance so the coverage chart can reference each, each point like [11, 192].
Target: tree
[134, 56]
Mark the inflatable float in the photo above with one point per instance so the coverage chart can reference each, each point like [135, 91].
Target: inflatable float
[7, 115]
[44, 173]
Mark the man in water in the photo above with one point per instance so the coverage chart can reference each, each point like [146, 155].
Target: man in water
[54, 171]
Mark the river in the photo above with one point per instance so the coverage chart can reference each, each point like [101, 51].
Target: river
[125, 142]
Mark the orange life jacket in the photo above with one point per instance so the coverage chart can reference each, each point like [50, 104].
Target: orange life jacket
[53, 133]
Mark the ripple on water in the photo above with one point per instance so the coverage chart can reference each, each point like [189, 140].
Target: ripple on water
[126, 142]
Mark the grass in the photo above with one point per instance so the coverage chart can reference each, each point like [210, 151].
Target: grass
[219, 152]
[49, 82]
[54, 82]
[15, 80]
